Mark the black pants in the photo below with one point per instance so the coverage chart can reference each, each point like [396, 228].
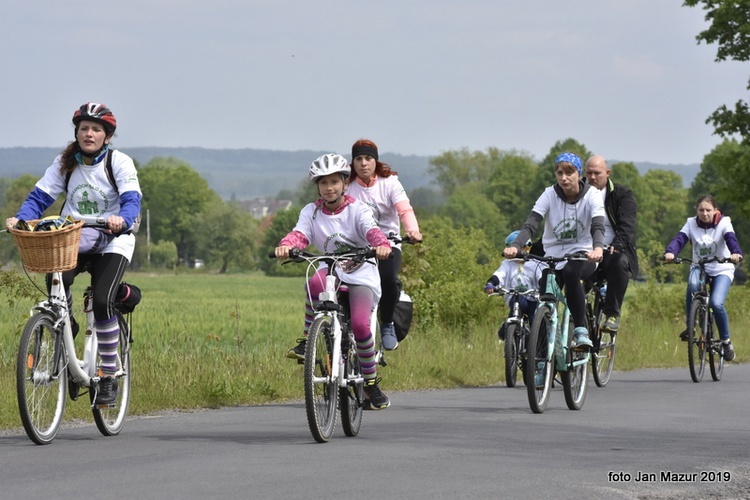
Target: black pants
[569, 278]
[106, 272]
[389, 269]
[616, 269]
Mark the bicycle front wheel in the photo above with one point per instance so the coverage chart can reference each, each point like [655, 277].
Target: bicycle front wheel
[41, 379]
[715, 354]
[320, 389]
[110, 420]
[511, 354]
[539, 366]
[696, 341]
[575, 378]
[351, 396]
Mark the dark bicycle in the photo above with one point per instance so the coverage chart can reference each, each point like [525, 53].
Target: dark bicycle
[603, 352]
[516, 327]
[701, 324]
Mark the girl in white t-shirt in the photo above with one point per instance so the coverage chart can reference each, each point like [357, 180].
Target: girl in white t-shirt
[374, 183]
[574, 222]
[81, 172]
[711, 234]
[334, 222]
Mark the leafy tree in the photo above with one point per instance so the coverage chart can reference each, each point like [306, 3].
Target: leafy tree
[164, 254]
[175, 194]
[720, 175]
[729, 28]
[468, 207]
[426, 200]
[661, 209]
[278, 225]
[509, 188]
[455, 168]
[227, 235]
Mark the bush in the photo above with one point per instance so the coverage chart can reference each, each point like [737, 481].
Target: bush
[445, 274]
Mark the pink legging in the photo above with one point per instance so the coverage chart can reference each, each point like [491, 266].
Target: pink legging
[361, 302]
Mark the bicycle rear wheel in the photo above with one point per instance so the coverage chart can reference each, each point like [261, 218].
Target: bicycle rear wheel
[41, 379]
[575, 379]
[539, 368]
[320, 390]
[511, 354]
[351, 396]
[715, 353]
[696, 341]
[110, 421]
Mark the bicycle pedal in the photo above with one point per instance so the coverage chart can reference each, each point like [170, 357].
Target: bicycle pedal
[105, 407]
[300, 361]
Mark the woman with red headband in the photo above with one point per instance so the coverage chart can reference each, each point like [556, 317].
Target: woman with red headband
[374, 183]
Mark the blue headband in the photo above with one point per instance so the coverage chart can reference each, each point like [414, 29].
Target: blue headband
[570, 158]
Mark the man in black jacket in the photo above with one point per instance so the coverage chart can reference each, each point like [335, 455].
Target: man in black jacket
[621, 260]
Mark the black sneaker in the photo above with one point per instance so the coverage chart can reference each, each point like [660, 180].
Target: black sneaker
[298, 352]
[106, 391]
[684, 336]
[374, 397]
[728, 351]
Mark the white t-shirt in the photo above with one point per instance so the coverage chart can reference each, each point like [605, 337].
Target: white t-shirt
[381, 197]
[709, 243]
[515, 274]
[339, 232]
[91, 195]
[567, 226]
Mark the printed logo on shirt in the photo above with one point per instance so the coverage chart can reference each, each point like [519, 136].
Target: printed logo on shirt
[706, 246]
[567, 230]
[87, 206]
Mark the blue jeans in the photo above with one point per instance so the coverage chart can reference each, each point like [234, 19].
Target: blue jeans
[526, 306]
[719, 290]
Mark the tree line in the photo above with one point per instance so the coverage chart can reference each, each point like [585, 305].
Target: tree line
[491, 191]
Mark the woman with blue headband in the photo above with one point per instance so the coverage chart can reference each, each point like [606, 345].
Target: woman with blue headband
[574, 222]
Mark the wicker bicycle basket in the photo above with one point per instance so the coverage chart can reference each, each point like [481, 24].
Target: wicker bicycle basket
[49, 251]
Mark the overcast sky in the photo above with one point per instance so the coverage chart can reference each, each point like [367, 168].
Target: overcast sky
[624, 77]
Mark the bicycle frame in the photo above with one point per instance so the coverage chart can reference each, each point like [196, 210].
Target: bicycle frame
[557, 341]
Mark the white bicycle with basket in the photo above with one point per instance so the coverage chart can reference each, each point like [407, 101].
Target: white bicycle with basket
[48, 368]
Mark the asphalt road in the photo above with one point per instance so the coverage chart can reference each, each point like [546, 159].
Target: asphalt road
[462, 443]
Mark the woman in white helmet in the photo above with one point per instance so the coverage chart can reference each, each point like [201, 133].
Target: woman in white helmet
[334, 222]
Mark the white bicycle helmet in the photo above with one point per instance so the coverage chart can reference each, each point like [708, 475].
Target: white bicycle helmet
[328, 164]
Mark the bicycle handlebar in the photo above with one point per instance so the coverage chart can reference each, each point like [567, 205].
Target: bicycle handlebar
[569, 256]
[702, 262]
[357, 254]
[501, 290]
[403, 239]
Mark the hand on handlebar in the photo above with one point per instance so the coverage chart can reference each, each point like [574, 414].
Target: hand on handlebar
[282, 252]
[510, 252]
[383, 252]
[414, 235]
[669, 257]
[10, 222]
[595, 255]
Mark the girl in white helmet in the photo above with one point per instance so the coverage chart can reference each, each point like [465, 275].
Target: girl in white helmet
[336, 221]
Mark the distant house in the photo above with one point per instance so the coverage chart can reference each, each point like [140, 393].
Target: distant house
[260, 208]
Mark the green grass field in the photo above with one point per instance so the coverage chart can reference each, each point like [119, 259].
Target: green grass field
[220, 340]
